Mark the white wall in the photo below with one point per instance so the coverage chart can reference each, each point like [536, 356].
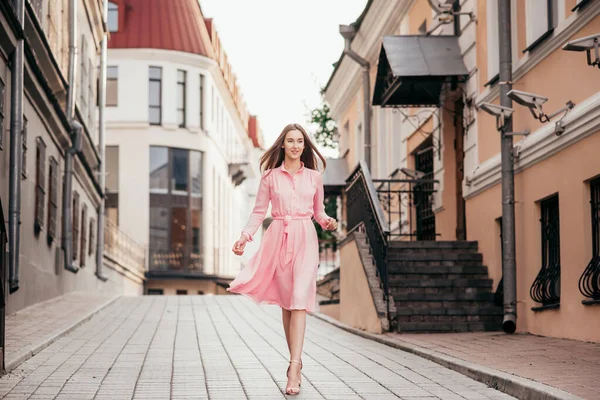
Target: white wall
[128, 128]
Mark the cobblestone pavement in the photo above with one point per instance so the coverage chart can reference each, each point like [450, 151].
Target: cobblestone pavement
[222, 347]
[31, 325]
[570, 365]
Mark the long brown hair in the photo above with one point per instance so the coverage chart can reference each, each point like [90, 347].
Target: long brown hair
[276, 154]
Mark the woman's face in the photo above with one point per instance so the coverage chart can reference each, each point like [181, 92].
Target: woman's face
[293, 144]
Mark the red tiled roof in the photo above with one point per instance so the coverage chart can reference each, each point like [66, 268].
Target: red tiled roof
[161, 24]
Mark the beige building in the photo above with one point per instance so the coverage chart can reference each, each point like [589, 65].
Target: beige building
[429, 120]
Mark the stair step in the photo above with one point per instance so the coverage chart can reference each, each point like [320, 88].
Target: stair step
[401, 269]
[434, 263]
[449, 326]
[440, 283]
[477, 295]
[447, 304]
[430, 244]
[433, 256]
[401, 276]
[460, 311]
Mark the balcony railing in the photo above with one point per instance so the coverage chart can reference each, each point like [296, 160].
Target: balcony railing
[122, 249]
[188, 259]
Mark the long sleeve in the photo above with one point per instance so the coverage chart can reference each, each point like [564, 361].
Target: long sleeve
[318, 203]
[260, 208]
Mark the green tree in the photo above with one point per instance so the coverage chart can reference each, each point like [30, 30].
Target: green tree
[324, 125]
[324, 129]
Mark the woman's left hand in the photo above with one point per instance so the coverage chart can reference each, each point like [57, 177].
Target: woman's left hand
[332, 224]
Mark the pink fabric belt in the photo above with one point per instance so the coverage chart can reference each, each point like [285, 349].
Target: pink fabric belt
[285, 254]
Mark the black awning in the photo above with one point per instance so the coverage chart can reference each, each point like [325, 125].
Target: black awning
[335, 175]
[412, 70]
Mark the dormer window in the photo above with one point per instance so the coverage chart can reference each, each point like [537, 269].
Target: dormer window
[113, 17]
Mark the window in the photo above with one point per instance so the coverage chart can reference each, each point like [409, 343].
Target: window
[83, 241]
[113, 17]
[91, 108]
[92, 236]
[1, 114]
[175, 209]
[181, 292]
[75, 225]
[546, 286]
[580, 4]
[155, 96]
[200, 292]
[52, 199]
[493, 43]
[159, 169]
[24, 147]
[112, 86]
[181, 82]
[155, 292]
[40, 186]
[541, 21]
[83, 77]
[588, 282]
[201, 101]
[112, 184]
[180, 175]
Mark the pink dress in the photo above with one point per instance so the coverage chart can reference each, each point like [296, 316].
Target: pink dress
[284, 269]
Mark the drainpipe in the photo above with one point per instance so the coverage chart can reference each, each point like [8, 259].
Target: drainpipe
[76, 135]
[101, 144]
[509, 325]
[348, 32]
[16, 126]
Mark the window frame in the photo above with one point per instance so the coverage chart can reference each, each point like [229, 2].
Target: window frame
[110, 78]
[24, 148]
[551, 19]
[160, 91]
[75, 226]
[182, 82]
[40, 184]
[83, 240]
[113, 9]
[52, 199]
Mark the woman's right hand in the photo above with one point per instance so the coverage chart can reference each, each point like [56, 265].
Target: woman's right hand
[238, 247]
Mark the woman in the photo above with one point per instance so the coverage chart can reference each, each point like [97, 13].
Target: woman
[284, 269]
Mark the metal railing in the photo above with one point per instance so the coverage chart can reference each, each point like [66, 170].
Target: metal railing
[407, 207]
[364, 208]
[589, 282]
[185, 258]
[546, 286]
[123, 249]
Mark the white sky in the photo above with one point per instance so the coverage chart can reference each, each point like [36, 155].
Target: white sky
[282, 52]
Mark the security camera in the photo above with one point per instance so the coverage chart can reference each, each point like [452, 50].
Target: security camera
[412, 173]
[527, 99]
[587, 44]
[498, 111]
[535, 102]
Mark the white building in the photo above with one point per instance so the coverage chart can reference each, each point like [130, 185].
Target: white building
[179, 140]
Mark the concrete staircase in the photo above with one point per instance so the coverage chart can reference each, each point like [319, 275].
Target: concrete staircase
[441, 287]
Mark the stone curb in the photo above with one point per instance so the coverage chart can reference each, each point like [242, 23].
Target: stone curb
[516, 386]
[23, 355]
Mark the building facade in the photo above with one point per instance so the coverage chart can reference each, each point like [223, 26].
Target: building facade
[50, 157]
[181, 145]
[436, 129]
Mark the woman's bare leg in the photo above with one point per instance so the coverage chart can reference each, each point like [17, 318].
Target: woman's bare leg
[297, 330]
[286, 316]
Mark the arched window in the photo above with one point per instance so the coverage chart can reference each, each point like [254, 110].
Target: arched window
[113, 17]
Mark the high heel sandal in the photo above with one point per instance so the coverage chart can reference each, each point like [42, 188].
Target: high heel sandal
[290, 390]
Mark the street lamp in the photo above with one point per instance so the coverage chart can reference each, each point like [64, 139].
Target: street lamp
[587, 44]
[535, 102]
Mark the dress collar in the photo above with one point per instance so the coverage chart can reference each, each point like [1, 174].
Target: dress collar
[285, 170]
